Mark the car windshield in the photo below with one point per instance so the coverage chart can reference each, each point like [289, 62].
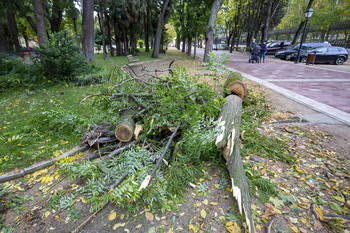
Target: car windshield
[317, 50]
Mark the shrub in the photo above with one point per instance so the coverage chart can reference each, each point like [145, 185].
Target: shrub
[60, 59]
[140, 43]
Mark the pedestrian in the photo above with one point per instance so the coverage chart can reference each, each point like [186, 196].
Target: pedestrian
[253, 44]
[263, 51]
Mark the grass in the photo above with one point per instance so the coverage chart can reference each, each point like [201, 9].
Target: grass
[40, 123]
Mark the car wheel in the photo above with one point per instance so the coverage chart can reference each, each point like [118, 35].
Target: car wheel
[339, 61]
[288, 57]
[303, 60]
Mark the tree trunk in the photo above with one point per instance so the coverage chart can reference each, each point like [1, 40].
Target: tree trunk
[125, 127]
[40, 21]
[125, 38]
[160, 26]
[26, 39]
[183, 45]
[189, 46]
[229, 122]
[133, 37]
[119, 51]
[195, 45]
[75, 27]
[147, 25]
[102, 30]
[56, 16]
[178, 40]
[13, 29]
[88, 29]
[209, 37]
[4, 45]
[302, 24]
[109, 35]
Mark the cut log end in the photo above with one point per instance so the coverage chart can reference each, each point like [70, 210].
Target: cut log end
[238, 88]
[123, 133]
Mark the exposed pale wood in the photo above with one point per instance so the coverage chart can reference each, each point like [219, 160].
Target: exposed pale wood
[238, 88]
[228, 139]
[125, 127]
[137, 131]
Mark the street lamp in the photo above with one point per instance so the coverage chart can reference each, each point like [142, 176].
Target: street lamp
[308, 14]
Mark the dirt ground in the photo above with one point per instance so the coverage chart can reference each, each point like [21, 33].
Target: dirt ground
[321, 175]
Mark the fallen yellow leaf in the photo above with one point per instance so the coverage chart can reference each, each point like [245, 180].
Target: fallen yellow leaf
[116, 226]
[319, 211]
[122, 216]
[203, 213]
[295, 229]
[139, 226]
[213, 203]
[112, 216]
[149, 216]
[201, 179]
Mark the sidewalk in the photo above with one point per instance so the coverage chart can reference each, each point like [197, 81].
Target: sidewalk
[324, 88]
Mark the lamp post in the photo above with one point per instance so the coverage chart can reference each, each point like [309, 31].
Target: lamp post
[308, 14]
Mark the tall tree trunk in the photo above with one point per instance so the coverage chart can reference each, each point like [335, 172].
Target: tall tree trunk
[160, 26]
[75, 27]
[178, 39]
[133, 37]
[102, 30]
[195, 45]
[88, 29]
[40, 21]
[26, 39]
[117, 41]
[271, 10]
[209, 37]
[13, 29]
[189, 46]
[4, 45]
[183, 44]
[125, 38]
[147, 25]
[109, 35]
[56, 16]
[302, 24]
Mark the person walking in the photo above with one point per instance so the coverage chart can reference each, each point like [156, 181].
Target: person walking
[263, 51]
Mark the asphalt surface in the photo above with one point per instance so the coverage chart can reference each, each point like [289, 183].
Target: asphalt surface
[323, 88]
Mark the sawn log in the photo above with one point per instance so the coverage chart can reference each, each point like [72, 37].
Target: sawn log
[228, 140]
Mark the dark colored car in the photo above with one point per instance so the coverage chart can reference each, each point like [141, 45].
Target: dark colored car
[336, 55]
[275, 46]
[286, 54]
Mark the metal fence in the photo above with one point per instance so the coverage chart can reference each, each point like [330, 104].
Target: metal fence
[337, 34]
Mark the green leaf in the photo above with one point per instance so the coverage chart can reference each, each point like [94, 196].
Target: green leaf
[276, 202]
[336, 208]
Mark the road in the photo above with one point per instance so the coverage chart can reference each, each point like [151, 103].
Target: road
[324, 88]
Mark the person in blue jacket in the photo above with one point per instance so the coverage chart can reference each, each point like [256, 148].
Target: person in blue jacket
[263, 51]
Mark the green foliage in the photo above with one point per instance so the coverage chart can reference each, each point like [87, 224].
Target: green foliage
[60, 59]
[14, 72]
[233, 76]
[56, 121]
[140, 43]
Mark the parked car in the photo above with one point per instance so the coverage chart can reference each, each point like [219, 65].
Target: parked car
[338, 55]
[275, 46]
[286, 54]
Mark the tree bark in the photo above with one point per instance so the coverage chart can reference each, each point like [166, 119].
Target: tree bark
[56, 16]
[119, 50]
[88, 29]
[125, 127]
[209, 37]
[160, 26]
[13, 29]
[302, 24]
[189, 46]
[229, 123]
[40, 21]
[109, 35]
[147, 25]
[4, 45]
[102, 30]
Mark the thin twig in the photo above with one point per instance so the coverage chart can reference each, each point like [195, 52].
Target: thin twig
[92, 95]
[89, 218]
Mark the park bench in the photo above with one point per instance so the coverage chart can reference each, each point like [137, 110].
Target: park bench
[131, 58]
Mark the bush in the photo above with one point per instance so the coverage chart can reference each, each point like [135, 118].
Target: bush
[140, 43]
[60, 59]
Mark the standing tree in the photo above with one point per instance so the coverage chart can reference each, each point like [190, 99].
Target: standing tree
[40, 21]
[209, 37]
[160, 26]
[271, 11]
[88, 29]
[13, 28]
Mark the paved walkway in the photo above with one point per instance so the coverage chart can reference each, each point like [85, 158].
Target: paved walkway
[320, 87]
